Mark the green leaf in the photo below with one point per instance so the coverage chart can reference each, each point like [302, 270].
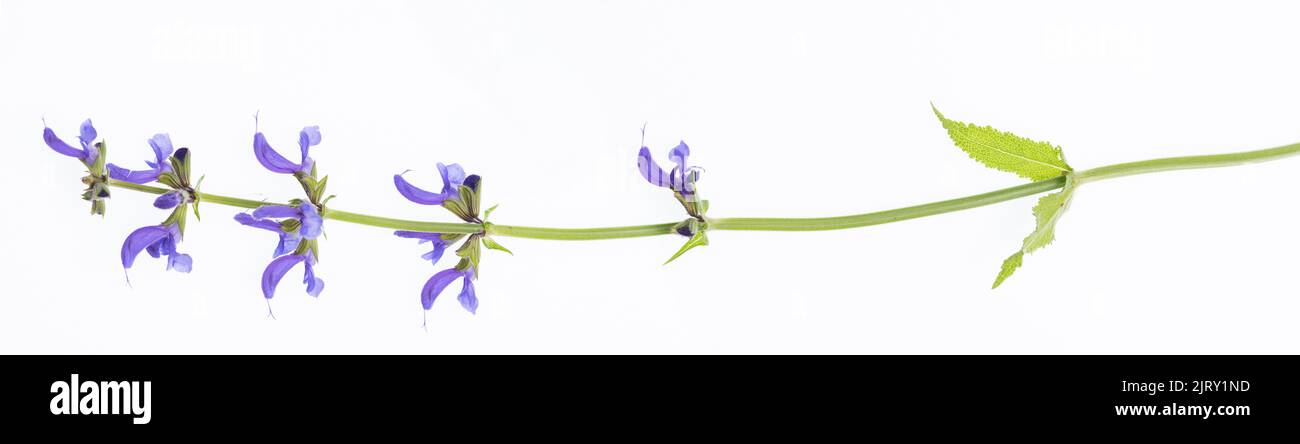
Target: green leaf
[493, 245]
[1009, 266]
[1004, 151]
[699, 239]
[488, 213]
[1047, 212]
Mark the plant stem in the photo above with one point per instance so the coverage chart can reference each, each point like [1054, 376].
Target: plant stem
[345, 216]
[1187, 163]
[581, 233]
[779, 224]
[884, 217]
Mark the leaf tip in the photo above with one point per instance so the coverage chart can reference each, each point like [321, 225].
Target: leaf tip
[1009, 267]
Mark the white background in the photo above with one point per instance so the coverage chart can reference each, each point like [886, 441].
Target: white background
[793, 108]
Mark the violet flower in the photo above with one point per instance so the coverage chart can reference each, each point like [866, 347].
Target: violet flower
[272, 160]
[453, 176]
[298, 227]
[158, 240]
[91, 154]
[168, 200]
[460, 195]
[439, 244]
[682, 177]
[162, 148]
[442, 279]
[281, 265]
[87, 153]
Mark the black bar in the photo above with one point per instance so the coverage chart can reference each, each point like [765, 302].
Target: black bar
[666, 391]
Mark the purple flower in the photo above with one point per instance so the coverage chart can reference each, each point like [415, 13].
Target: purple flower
[682, 177]
[158, 240]
[272, 160]
[162, 148]
[295, 246]
[442, 279]
[453, 176]
[439, 244]
[168, 200]
[87, 153]
[281, 265]
[309, 224]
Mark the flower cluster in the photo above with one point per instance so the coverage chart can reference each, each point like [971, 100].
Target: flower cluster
[298, 227]
[299, 224]
[171, 168]
[459, 195]
[92, 155]
[681, 180]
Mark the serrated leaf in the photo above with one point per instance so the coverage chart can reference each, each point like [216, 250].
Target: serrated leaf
[493, 245]
[1004, 151]
[1047, 212]
[1009, 266]
[698, 240]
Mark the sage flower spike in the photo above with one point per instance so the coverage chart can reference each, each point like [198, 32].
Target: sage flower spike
[460, 194]
[88, 152]
[162, 148]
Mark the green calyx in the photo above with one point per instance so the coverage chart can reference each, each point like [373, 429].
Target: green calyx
[466, 205]
[694, 227]
[96, 181]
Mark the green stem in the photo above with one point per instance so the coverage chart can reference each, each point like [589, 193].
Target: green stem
[1188, 162]
[581, 233]
[884, 217]
[781, 224]
[345, 216]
